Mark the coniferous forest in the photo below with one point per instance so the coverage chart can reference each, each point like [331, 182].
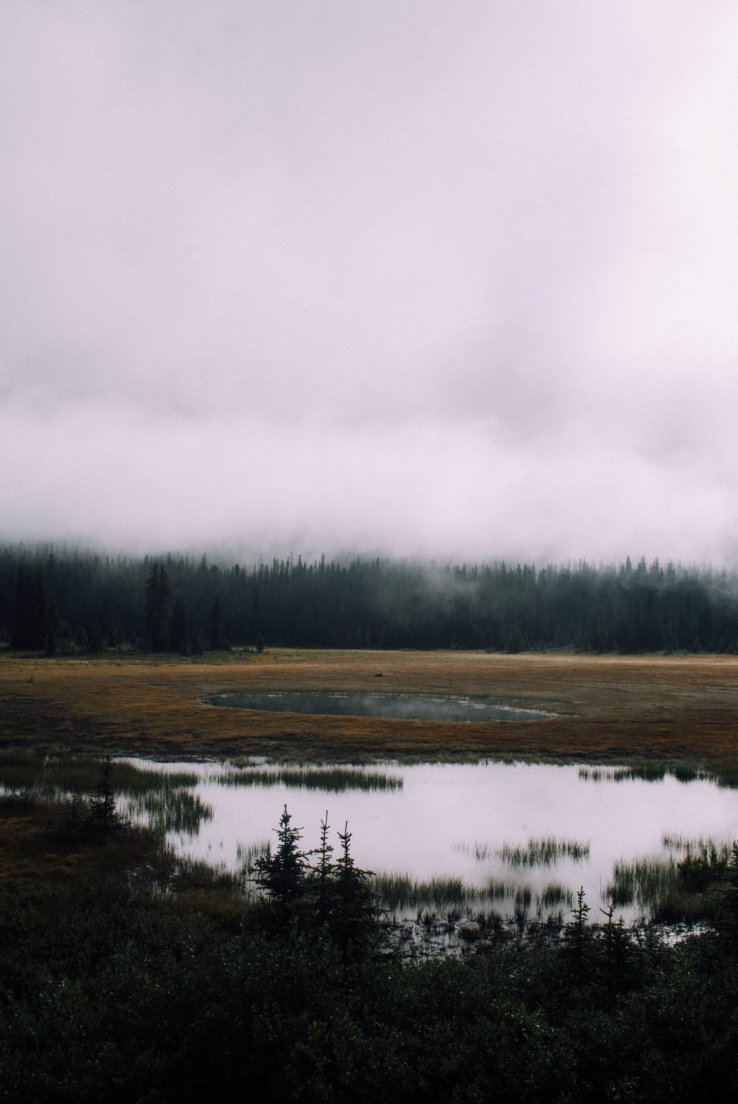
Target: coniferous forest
[63, 601]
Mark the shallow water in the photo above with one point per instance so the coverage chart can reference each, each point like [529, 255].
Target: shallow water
[408, 707]
[455, 820]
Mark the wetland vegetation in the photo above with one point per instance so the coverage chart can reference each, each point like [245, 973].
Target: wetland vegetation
[133, 970]
[220, 814]
[328, 779]
[127, 975]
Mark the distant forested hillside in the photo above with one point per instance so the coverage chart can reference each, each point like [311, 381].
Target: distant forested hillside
[60, 601]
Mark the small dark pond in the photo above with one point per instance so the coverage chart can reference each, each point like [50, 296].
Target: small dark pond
[406, 707]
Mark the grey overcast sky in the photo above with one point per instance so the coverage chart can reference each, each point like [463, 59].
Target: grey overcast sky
[448, 278]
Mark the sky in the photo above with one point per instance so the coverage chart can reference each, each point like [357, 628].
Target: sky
[453, 279]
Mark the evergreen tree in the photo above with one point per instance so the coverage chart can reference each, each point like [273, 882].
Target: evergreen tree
[103, 814]
[282, 875]
[578, 934]
[215, 638]
[178, 637]
[31, 615]
[156, 610]
[322, 875]
[353, 921]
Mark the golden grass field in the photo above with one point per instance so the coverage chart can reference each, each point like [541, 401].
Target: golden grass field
[608, 707]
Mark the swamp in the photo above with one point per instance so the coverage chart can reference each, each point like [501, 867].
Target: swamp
[313, 907]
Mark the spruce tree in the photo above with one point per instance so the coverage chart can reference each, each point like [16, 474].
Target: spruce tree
[282, 875]
[156, 605]
[103, 814]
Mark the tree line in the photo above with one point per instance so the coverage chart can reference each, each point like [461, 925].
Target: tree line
[64, 602]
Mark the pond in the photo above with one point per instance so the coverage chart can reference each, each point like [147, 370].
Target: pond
[515, 837]
[408, 707]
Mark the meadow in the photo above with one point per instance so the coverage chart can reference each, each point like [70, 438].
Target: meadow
[607, 709]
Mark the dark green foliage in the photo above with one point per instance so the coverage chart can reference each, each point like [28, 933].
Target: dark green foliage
[103, 817]
[116, 992]
[727, 918]
[362, 603]
[179, 640]
[322, 875]
[331, 898]
[578, 934]
[32, 616]
[353, 915]
[281, 875]
[215, 637]
[109, 993]
[156, 610]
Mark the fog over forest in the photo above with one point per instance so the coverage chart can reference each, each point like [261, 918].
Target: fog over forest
[402, 277]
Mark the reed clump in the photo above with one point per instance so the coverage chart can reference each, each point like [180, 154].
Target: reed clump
[643, 882]
[332, 779]
[543, 852]
[554, 895]
[170, 810]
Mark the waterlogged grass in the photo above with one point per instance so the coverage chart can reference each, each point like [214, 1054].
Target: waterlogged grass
[248, 853]
[554, 895]
[683, 887]
[332, 779]
[50, 776]
[159, 797]
[170, 810]
[644, 883]
[537, 852]
[400, 892]
[725, 775]
[689, 846]
[543, 852]
[722, 774]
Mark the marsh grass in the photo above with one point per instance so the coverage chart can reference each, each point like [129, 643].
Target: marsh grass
[555, 894]
[248, 853]
[54, 776]
[160, 798]
[722, 773]
[725, 775]
[595, 774]
[644, 883]
[690, 846]
[400, 891]
[170, 810]
[332, 779]
[192, 875]
[543, 852]
[397, 892]
[642, 772]
[537, 852]
[450, 899]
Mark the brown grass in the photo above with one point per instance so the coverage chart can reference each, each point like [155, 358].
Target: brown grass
[609, 707]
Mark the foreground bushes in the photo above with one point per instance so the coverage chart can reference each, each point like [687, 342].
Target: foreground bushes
[112, 993]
